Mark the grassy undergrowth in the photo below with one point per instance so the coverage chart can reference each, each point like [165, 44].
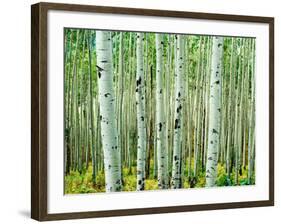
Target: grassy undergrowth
[76, 182]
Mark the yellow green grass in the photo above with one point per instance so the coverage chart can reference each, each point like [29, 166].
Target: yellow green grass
[76, 183]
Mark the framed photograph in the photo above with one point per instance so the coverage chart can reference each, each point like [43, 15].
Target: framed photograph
[139, 111]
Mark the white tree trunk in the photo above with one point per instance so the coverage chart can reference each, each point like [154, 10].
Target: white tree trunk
[229, 109]
[215, 111]
[140, 102]
[160, 118]
[179, 89]
[251, 138]
[107, 112]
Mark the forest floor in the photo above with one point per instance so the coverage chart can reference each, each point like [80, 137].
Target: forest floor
[76, 182]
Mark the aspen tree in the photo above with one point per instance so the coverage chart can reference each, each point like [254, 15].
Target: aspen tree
[107, 112]
[230, 108]
[160, 118]
[195, 107]
[215, 111]
[91, 104]
[140, 102]
[179, 85]
[251, 139]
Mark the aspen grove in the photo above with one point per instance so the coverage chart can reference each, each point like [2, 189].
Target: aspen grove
[148, 111]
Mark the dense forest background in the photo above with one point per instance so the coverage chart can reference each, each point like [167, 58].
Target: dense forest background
[148, 111]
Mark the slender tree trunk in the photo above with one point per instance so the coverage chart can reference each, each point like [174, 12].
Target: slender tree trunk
[107, 112]
[207, 94]
[140, 102]
[68, 61]
[237, 115]
[179, 85]
[215, 112]
[229, 110]
[71, 107]
[160, 118]
[251, 139]
[80, 107]
[196, 106]
[93, 146]
[120, 95]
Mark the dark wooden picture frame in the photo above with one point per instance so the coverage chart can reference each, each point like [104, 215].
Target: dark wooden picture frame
[39, 108]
